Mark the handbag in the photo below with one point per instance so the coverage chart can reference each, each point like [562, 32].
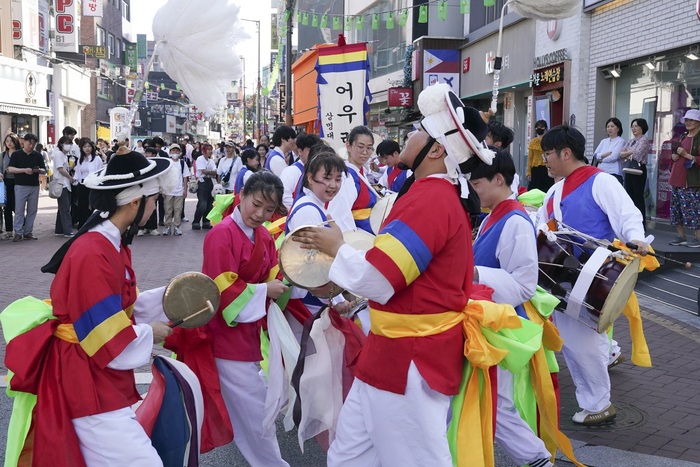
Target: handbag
[192, 185]
[55, 189]
[632, 167]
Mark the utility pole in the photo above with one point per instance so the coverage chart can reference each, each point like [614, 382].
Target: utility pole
[288, 67]
[244, 103]
[256, 131]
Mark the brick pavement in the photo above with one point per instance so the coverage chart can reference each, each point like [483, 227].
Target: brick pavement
[658, 407]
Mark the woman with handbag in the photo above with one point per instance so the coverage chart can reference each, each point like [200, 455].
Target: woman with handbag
[685, 182]
[634, 164]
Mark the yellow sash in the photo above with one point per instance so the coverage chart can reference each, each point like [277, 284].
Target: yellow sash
[475, 448]
[67, 333]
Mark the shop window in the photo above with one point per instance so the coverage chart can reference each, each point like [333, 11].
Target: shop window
[110, 45]
[100, 35]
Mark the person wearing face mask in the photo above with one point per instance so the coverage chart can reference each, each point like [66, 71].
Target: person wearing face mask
[536, 171]
[61, 172]
[173, 201]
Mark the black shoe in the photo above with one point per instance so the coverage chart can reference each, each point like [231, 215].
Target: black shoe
[206, 226]
[161, 224]
[17, 238]
[196, 227]
[30, 236]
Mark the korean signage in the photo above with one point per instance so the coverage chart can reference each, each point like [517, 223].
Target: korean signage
[131, 60]
[546, 76]
[400, 97]
[92, 8]
[343, 72]
[94, 51]
[67, 25]
[441, 66]
[118, 126]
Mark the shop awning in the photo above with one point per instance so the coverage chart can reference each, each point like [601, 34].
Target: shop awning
[25, 110]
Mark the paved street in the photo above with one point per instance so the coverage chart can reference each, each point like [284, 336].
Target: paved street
[658, 419]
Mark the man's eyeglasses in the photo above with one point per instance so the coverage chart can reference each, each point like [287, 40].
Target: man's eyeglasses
[364, 149]
[546, 154]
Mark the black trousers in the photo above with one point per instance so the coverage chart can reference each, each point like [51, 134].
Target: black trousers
[634, 185]
[204, 201]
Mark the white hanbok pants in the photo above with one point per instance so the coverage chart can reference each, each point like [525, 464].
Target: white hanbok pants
[381, 428]
[513, 434]
[587, 355]
[244, 392]
[115, 439]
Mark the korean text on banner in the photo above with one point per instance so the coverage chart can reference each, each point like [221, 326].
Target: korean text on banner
[92, 8]
[343, 95]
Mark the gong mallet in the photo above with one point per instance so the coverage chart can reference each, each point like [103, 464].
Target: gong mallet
[686, 265]
[209, 308]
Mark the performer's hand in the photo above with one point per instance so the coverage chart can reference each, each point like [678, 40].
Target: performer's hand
[675, 157]
[327, 240]
[275, 288]
[642, 248]
[161, 330]
[343, 307]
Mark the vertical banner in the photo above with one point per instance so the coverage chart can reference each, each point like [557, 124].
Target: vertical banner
[25, 23]
[131, 58]
[441, 66]
[92, 8]
[142, 44]
[119, 128]
[67, 23]
[343, 94]
[44, 27]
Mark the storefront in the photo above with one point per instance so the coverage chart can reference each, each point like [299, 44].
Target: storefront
[477, 77]
[71, 94]
[23, 97]
[659, 89]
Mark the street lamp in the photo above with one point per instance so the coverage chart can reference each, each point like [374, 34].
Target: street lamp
[243, 86]
[256, 132]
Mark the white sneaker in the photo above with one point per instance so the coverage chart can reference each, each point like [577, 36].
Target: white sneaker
[154, 233]
[185, 219]
[541, 463]
[166, 231]
[141, 233]
[585, 417]
[178, 232]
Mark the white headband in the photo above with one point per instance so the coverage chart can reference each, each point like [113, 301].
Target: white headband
[147, 188]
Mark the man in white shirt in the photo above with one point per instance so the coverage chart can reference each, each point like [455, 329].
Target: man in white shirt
[228, 167]
[173, 201]
[283, 139]
[292, 175]
[205, 173]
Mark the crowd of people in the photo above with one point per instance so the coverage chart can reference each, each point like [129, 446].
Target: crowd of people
[427, 282]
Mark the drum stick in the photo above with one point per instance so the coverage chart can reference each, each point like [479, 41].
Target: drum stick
[686, 265]
[209, 308]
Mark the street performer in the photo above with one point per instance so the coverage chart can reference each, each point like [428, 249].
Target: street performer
[594, 203]
[80, 357]
[419, 269]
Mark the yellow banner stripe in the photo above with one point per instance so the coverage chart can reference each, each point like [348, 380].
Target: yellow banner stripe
[104, 332]
[342, 58]
[273, 273]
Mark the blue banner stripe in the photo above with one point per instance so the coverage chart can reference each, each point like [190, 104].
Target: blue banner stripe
[411, 241]
[341, 67]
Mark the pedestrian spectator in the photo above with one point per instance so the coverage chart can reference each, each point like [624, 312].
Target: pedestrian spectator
[685, 182]
[139, 146]
[27, 165]
[263, 150]
[536, 170]
[283, 139]
[264, 139]
[251, 164]
[61, 173]
[228, 167]
[205, 173]
[88, 163]
[197, 151]
[11, 144]
[637, 149]
[174, 201]
[607, 154]
[151, 225]
[42, 178]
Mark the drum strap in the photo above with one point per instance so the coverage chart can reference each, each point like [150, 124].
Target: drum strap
[584, 281]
